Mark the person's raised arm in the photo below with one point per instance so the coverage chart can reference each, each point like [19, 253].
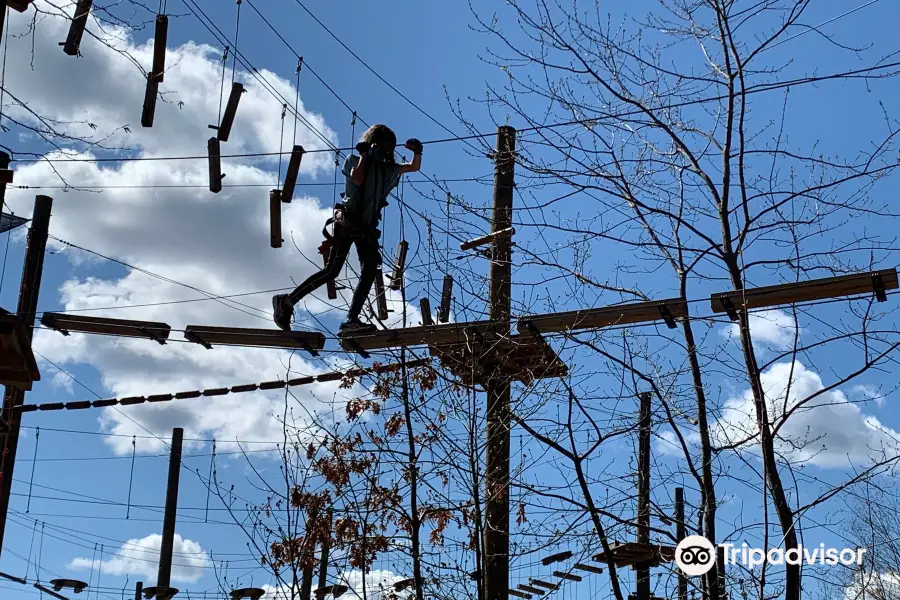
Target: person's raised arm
[416, 147]
[358, 172]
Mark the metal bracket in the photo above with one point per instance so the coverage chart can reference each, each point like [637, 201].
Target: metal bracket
[729, 308]
[191, 337]
[878, 287]
[667, 316]
[150, 335]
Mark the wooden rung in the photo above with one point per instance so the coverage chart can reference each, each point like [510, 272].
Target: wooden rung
[150, 94]
[486, 239]
[432, 335]
[567, 576]
[215, 165]
[275, 218]
[76, 27]
[446, 297]
[230, 111]
[159, 47]
[64, 323]
[336, 591]
[518, 594]
[543, 584]
[251, 593]
[607, 316]
[804, 291]
[558, 557]
[425, 309]
[403, 584]
[399, 265]
[269, 338]
[532, 590]
[380, 296]
[19, 6]
[588, 568]
[290, 176]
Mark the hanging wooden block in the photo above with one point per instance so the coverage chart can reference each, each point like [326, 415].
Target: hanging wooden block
[224, 128]
[159, 47]
[275, 218]
[149, 101]
[76, 27]
[399, 265]
[425, 309]
[215, 166]
[19, 5]
[17, 364]
[290, 177]
[380, 298]
[446, 296]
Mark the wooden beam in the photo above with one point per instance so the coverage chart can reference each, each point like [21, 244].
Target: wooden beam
[446, 297]
[432, 335]
[532, 590]
[76, 28]
[588, 568]
[805, 291]
[275, 238]
[63, 323]
[380, 297]
[425, 309]
[399, 265]
[19, 5]
[607, 316]
[234, 98]
[290, 176]
[487, 239]
[518, 594]
[160, 37]
[268, 338]
[567, 576]
[558, 557]
[215, 165]
[544, 584]
[150, 94]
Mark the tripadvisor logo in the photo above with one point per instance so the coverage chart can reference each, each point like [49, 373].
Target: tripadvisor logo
[695, 555]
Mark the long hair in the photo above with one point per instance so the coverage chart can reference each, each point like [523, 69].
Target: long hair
[384, 138]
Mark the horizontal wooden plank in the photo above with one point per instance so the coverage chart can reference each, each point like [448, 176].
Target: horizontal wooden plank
[558, 557]
[269, 338]
[567, 576]
[804, 291]
[606, 316]
[101, 325]
[432, 335]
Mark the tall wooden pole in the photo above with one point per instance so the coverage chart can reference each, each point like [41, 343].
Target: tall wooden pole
[163, 591]
[643, 516]
[680, 534]
[496, 534]
[28, 300]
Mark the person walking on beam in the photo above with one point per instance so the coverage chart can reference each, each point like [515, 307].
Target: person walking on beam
[370, 178]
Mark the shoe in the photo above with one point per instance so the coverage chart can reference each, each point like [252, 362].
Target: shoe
[356, 327]
[283, 310]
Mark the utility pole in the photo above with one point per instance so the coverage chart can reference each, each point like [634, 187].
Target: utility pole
[643, 489]
[28, 300]
[162, 591]
[496, 534]
[138, 589]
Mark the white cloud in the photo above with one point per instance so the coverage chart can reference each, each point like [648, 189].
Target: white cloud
[378, 586]
[215, 242]
[141, 557]
[875, 586]
[837, 431]
[774, 329]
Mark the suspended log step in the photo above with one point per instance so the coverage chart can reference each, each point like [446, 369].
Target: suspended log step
[567, 576]
[72, 45]
[290, 176]
[65, 324]
[335, 591]
[75, 585]
[275, 219]
[311, 341]
[544, 584]
[215, 165]
[19, 5]
[519, 594]
[559, 557]
[17, 365]
[224, 128]
[380, 296]
[449, 334]
[252, 593]
[399, 265]
[446, 298]
[607, 316]
[487, 239]
[633, 553]
[425, 309]
[532, 590]
[877, 282]
[150, 93]
[160, 39]
[588, 568]
[403, 584]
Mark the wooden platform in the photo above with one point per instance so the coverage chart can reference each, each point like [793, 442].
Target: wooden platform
[310, 341]
[630, 554]
[524, 358]
[158, 332]
[17, 365]
[805, 291]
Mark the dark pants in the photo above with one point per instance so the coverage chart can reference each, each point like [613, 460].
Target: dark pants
[369, 258]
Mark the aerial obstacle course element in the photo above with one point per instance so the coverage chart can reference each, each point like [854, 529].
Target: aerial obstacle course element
[65, 324]
[224, 128]
[311, 341]
[275, 219]
[290, 176]
[74, 584]
[215, 165]
[72, 45]
[251, 593]
[18, 368]
[487, 239]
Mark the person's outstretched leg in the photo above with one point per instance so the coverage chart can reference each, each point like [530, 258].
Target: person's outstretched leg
[283, 304]
[369, 259]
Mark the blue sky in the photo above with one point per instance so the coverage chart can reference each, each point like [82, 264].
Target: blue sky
[429, 52]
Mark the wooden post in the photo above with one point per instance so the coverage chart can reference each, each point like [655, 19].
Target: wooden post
[290, 176]
[680, 534]
[446, 298]
[425, 309]
[160, 38]
[496, 534]
[215, 165]
[168, 533]
[150, 94]
[380, 297]
[643, 490]
[275, 218]
[28, 301]
[76, 29]
[224, 129]
[138, 589]
[399, 265]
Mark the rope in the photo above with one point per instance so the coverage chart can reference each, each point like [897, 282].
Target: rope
[222, 86]
[281, 144]
[131, 477]
[297, 97]
[3, 74]
[237, 29]
[212, 472]
[30, 549]
[37, 440]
